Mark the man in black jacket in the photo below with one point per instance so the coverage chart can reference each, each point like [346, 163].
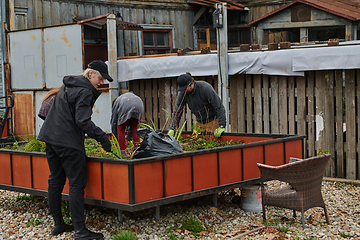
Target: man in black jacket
[63, 131]
[203, 102]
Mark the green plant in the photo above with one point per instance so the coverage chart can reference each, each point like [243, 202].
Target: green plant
[144, 125]
[344, 235]
[283, 229]
[34, 221]
[35, 145]
[124, 235]
[193, 225]
[171, 235]
[115, 145]
[179, 131]
[193, 143]
[65, 209]
[25, 197]
[7, 199]
[196, 130]
[322, 152]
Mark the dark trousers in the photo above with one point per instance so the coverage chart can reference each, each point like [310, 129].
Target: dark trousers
[71, 163]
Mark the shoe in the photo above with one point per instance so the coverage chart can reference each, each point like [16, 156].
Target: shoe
[82, 233]
[60, 226]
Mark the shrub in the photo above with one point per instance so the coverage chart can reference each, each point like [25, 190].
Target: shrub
[124, 235]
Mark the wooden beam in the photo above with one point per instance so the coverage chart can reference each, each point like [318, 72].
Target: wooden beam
[199, 13]
[208, 38]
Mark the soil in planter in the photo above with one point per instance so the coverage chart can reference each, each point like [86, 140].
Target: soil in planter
[193, 143]
[94, 149]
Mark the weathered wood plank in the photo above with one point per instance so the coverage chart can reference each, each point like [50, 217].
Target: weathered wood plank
[311, 113]
[257, 104]
[38, 16]
[301, 108]
[350, 124]
[274, 117]
[164, 96]
[142, 96]
[339, 124]
[283, 114]
[266, 104]
[233, 88]
[155, 103]
[330, 121]
[249, 106]
[241, 103]
[291, 107]
[320, 110]
[148, 102]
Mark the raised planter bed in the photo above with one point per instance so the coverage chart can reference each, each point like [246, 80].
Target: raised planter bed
[132, 185]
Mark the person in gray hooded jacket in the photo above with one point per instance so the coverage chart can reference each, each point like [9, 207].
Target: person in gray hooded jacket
[63, 131]
[126, 111]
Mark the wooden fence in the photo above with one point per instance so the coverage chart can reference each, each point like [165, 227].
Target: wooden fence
[323, 105]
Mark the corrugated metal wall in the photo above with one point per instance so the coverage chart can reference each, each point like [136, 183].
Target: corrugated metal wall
[42, 13]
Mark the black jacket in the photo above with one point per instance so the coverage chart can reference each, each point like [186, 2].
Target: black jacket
[70, 116]
[203, 102]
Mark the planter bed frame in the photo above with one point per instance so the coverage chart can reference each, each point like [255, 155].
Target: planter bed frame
[132, 185]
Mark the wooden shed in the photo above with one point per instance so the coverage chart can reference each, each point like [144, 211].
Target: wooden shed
[309, 20]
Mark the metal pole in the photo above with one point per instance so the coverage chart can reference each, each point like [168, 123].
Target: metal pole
[112, 56]
[223, 64]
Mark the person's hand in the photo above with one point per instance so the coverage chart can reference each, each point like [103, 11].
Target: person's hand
[219, 132]
[171, 132]
[106, 145]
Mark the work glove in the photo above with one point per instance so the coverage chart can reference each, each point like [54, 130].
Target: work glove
[219, 132]
[171, 132]
[106, 145]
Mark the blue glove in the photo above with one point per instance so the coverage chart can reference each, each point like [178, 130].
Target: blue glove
[219, 132]
[171, 132]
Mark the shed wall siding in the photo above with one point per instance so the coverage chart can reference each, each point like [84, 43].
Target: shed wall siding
[44, 13]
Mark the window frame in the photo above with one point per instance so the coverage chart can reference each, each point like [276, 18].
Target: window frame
[169, 29]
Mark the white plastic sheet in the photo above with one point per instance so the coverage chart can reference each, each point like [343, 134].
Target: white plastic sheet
[285, 62]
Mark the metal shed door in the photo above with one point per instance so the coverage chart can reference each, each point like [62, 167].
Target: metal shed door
[42, 57]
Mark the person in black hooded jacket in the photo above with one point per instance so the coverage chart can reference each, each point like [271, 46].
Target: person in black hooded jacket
[63, 131]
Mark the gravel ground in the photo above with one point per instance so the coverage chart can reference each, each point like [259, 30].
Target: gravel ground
[226, 221]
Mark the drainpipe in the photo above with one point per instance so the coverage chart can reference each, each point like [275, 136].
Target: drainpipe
[112, 56]
[220, 22]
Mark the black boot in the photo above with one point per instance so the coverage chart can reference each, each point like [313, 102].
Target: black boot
[81, 232]
[60, 226]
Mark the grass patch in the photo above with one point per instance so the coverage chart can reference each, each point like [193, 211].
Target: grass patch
[34, 221]
[193, 225]
[124, 235]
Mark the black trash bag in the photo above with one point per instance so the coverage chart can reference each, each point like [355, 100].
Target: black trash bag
[156, 144]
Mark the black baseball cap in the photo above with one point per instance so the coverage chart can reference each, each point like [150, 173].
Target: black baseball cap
[102, 68]
[183, 81]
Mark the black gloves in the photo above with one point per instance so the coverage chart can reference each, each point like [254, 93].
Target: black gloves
[106, 145]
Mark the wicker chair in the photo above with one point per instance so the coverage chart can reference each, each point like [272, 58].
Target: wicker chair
[304, 190]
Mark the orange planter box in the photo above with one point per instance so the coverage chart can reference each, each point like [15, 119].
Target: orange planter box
[133, 185]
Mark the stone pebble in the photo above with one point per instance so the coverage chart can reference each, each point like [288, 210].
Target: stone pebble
[225, 221]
